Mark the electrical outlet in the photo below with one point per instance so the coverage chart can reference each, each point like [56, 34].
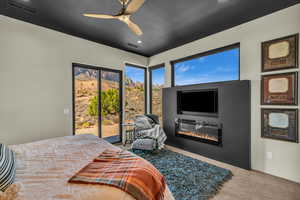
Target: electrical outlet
[270, 155]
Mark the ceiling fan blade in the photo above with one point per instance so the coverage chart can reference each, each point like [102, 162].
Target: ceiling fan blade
[135, 28]
[100, 16]
[133, 6]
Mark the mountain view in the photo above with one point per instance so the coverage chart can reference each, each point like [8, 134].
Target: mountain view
[86, 101]
[134, 92]
[158, 80]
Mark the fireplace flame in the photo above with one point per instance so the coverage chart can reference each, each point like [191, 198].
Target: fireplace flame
[199, 135]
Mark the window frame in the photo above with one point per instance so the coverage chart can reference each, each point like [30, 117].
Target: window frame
[202, 54]
[99, 85]
[151, 69]
[145, 84]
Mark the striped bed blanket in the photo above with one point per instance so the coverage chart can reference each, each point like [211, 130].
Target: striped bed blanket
[125, 171]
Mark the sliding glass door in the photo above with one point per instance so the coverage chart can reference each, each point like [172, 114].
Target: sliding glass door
[97, 95]
[111, 105]
[85, 96]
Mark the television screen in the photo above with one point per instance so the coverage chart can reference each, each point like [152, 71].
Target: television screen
[197, 102]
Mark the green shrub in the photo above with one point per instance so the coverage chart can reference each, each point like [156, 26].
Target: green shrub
[86, 125]
[109, 101]
[93, 107]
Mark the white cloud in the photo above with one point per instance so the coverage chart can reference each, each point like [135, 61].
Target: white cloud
[223, 69]
[184, 68]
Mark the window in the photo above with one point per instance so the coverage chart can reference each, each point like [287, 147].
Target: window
[85, 91]
[135, 91]
[157, 81]
[97, 102]
[214, 66]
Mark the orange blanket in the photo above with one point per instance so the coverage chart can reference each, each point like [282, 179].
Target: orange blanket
[126, 171]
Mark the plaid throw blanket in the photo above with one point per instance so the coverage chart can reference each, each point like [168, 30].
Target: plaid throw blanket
[125, 171]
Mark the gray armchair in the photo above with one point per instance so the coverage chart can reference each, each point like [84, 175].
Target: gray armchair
[148, 135]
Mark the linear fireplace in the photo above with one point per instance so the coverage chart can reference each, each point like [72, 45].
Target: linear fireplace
[203, 131]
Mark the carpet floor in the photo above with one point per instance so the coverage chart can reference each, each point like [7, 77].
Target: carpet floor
[187, 178]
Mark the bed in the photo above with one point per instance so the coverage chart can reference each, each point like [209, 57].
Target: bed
[44, 168]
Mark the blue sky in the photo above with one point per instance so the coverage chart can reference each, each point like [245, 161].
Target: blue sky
[217, 67]
[221, 66]
[158, 76]
[135, 73]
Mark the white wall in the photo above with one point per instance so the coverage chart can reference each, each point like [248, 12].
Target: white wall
[286, 156]
[36, 78]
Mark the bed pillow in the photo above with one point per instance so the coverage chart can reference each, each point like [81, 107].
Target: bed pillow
[7, 167]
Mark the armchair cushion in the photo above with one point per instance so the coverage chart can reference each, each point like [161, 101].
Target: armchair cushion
[144, 144]
[154, 118]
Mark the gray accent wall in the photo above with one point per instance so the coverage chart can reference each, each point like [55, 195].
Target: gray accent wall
[234, 115]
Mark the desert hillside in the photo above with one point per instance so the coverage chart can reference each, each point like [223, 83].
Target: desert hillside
[86, 87]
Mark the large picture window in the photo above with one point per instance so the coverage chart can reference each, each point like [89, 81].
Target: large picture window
[135, 91]
[214, 66]
[157, 81]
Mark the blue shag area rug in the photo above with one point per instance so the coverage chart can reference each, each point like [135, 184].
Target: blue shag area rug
[187, 178]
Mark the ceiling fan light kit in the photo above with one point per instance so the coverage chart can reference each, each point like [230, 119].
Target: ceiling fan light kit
[128, 9]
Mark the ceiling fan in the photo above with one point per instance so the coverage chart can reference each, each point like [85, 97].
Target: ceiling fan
[128, 8]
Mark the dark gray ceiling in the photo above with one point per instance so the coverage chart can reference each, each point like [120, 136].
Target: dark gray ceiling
[166, 23]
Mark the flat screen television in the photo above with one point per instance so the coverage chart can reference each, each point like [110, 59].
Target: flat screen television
[198, 102]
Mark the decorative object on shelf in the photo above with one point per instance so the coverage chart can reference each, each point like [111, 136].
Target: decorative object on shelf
[280, 124]
[280, 53]
[279, 89]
